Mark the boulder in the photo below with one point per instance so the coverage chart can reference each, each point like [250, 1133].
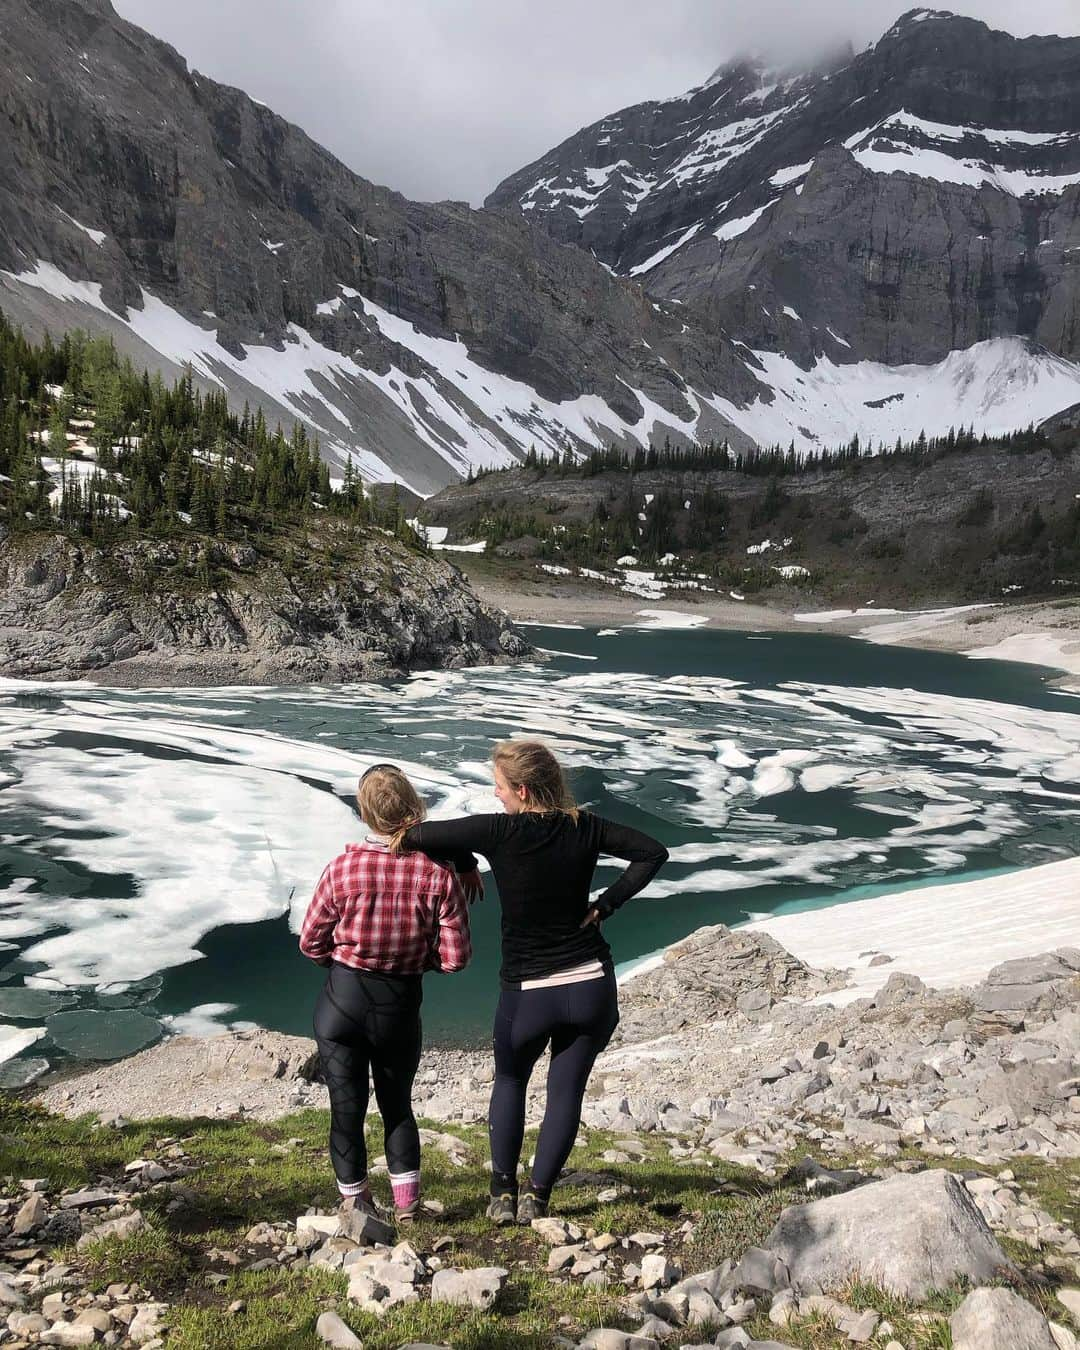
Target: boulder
[657, 1272]
[759, 1272]
[998, 1319]
[908, 1235]
[332, 1331]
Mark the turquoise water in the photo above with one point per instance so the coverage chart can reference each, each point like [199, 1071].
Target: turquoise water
[157, 848]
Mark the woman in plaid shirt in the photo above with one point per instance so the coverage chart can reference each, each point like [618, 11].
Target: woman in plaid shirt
[380, 917]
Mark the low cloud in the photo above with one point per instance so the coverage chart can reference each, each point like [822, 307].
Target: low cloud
[444, 98]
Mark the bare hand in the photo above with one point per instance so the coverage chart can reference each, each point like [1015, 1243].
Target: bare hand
[593, 916]
[472, 884]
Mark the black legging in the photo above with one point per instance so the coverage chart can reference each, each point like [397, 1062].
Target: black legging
[578, 1020]
[364, 1019]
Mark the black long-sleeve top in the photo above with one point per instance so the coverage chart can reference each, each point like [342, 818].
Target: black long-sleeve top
[543, 863]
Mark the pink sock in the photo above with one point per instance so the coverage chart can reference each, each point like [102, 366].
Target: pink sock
[406, 1188]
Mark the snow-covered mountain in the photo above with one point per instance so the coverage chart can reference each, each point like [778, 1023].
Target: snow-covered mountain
[887, 244]
[895, 206]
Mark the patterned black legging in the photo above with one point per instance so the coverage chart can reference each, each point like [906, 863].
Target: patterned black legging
[367, 1020]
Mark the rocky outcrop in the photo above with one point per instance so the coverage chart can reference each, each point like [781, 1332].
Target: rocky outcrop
[338, 605]
[896, 205]
[715, 971]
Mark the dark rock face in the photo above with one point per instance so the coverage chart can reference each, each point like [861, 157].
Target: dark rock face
[138, 614]
[906, 202]
[122, 168]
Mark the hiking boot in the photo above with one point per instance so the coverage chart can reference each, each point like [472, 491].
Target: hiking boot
[501, 1209]
[530, 1207]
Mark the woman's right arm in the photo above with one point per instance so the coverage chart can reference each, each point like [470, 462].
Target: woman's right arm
[317, 933]
[453, 948]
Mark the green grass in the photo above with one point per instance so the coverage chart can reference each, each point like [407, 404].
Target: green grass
[249, 1173]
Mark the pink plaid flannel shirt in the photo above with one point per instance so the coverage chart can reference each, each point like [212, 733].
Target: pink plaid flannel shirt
[399, 913]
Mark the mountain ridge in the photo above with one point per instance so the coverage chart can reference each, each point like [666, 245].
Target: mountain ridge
[765, 193]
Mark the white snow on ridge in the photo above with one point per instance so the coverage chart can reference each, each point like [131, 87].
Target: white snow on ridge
[943, 131]
[731, 229]
[782, 177]
[885, 148]
[997, 386]
[98, 236]
[666, 252]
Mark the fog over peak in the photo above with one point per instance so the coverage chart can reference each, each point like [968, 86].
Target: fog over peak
[444, 98]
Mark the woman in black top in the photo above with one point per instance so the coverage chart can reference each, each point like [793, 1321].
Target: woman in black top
[557, 976]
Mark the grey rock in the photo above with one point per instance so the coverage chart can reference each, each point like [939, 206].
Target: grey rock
[127, 1225]
[31, 1215]
[706, 974]
[759, 1272]
[478, 1288]
[655, 1328]
[366, 1229]
[146, 1324]
[557, 1231]
[998, 1319]
[10, 1295]
[898, 988]
[69, 1333]
[657, 1272]
[78, 613]
[909, 1235]
[88, 1199]
[607, 1338]
[1070, 1301]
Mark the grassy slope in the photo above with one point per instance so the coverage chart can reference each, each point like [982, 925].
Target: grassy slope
[250, 1173]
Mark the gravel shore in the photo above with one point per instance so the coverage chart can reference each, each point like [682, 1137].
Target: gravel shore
[1042, 632]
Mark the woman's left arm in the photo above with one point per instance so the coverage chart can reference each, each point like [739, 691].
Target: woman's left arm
[464, 836]
[645, 855]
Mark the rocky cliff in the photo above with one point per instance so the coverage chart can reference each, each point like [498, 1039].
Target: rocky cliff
[328, 605]
[896, 205]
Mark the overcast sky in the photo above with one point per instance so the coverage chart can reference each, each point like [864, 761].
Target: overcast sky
[444, 98]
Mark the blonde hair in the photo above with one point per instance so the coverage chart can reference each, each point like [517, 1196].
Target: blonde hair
[389, 803]
[530, 765]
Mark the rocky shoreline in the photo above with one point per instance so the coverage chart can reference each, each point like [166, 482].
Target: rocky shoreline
[755, 1046]
[333, 605]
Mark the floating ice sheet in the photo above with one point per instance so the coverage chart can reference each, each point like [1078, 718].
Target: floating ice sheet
[102, 1035]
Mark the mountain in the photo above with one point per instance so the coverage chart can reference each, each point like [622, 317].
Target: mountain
[140, 199]
[898, 206]
[880, 245]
